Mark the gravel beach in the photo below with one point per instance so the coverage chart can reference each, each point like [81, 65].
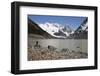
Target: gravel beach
[46, 54]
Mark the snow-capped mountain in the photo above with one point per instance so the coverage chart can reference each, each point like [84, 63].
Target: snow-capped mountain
[83, 27]
[82, 31]
[56, 30]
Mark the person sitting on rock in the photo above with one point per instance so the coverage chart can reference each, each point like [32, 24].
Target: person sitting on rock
[37, 46]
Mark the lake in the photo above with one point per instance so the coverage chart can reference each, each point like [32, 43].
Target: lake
[71, 44]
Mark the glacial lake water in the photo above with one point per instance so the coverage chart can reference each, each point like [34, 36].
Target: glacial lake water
[71, 44]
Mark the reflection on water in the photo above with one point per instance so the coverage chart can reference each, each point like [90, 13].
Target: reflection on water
[71, 44]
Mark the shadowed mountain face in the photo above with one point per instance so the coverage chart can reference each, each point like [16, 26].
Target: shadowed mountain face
[36, 31]
[33, 28]
[82, 31]
[83, 27]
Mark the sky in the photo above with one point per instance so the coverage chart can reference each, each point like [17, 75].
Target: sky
[73, 21]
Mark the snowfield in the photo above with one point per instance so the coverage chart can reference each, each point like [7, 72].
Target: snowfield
[53, 28]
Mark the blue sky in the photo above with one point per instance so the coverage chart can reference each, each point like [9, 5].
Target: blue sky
[73, 21]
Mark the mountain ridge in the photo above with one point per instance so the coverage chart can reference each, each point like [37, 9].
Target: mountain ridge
[56, 31]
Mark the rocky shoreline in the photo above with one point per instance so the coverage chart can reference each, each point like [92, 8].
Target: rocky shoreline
[47, 54]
